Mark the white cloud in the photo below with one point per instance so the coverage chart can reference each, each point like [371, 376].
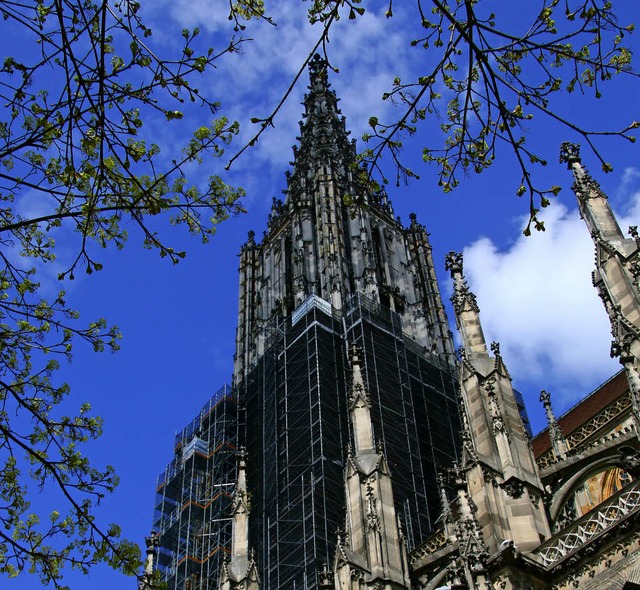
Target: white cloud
[200, 13]
[251, 83]
[32, 205]
[537, 300]
[629, 177]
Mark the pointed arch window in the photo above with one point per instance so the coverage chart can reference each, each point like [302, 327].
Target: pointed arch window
[592, 491]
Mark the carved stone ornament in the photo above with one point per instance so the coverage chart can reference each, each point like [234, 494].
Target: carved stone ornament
[453, 262]
[152, 541]
[621, 346]
[630, 460]
[373, 522]
[457, 476]
[569, 153]
[325, 578]
[500, 583]
[611, 517]
[514, 488]
[356, 393]
[582, 187]
[456, 577]
[489, 476]
[462, 295]
[489, 386]
[634, 269]
[462, 353]
[475, 553]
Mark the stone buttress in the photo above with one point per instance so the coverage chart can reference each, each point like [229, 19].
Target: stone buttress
[239, 572]
[371, 553]
[502, 476]
[617, 272]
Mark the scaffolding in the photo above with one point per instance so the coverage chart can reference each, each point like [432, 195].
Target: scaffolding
[295, 419]
[193, 497]
[296, 430]
[414, 411]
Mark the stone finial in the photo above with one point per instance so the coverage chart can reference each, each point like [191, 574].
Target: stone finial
[318, 73]
[461, 293]
[444, 501]
[325, 578]
[569, 153]
[558, 442]
[151, 543]
[545, 398]
[453, 263]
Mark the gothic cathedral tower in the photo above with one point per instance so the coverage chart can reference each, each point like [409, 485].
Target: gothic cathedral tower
[342, 336]
[335, 269]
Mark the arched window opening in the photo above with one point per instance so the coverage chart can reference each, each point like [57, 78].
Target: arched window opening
[594, 490]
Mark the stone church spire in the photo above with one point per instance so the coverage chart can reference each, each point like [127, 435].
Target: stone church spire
[333, 239]
[501, 473]
[324, 139]
[240, 571]
[372, 552]
[617, 273]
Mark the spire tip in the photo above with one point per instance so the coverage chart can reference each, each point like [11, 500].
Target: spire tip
[569, 153]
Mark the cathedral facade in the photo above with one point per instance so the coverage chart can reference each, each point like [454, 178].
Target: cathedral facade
[355, 449]
[560, 511]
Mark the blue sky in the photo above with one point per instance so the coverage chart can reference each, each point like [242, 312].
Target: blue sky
[178, 322]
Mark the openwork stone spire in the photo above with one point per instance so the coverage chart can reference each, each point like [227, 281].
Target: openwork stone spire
[333, 238]
[324, 139]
